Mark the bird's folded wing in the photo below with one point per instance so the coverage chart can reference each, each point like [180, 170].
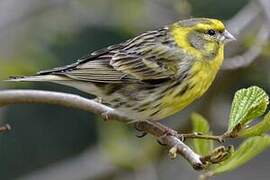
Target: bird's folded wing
[144, 58]
[125, 66]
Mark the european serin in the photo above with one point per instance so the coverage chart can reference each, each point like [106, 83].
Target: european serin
[153, 75]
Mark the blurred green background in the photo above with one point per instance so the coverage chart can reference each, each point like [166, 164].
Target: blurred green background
[50, 142]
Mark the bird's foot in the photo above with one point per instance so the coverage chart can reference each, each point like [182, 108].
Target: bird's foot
[107, 116]
[170, 132]
[98, 100]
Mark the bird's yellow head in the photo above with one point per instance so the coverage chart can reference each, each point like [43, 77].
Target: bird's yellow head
[201, 35]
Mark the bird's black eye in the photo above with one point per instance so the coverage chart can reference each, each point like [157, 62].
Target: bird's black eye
[211, 32]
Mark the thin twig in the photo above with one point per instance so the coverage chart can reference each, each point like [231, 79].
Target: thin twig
[265, 5]
[251, 54]
[195, 135]
[239, 23]
[242, 19]
[9, 97]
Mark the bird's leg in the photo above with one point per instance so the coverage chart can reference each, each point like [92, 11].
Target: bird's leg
[169, 132]
[172, 132]
[166, 131]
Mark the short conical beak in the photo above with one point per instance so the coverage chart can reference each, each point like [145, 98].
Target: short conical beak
[228, 36]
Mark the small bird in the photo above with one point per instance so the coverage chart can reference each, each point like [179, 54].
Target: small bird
[153, 75]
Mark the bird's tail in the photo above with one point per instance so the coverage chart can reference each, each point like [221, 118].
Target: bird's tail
[38, 78]
[58, 79]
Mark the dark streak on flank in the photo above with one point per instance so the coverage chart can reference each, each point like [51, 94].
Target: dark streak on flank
[129, 105]
[191, 86]
[183, 90]
[140, 109]
[179, 81]
[119, 104]
[156, 105]
[156, 81]
[116, 100]
[155, 112]
[194, 74]
[112, 88]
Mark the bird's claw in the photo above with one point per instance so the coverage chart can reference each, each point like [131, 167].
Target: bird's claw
[160, 143]
[106, 116]
[143, 133]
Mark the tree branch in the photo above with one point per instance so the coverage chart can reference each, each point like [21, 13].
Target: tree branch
[161, 132]
[250, 13]
[251, 54]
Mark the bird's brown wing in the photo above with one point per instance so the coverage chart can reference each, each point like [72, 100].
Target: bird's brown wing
[144, 58]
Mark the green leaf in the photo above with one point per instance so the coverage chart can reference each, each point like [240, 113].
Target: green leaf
[248, 149]
[201, 125]
[247, 105]
[258, 129]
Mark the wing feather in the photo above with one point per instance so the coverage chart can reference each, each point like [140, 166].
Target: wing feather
[150, 56]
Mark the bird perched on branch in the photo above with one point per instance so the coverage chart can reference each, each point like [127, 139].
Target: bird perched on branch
[153, 75]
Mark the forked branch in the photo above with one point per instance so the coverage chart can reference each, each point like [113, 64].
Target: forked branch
[9, 97]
